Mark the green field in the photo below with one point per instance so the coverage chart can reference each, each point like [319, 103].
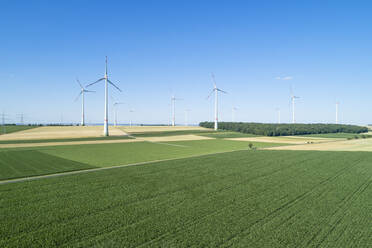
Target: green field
[238, 199]
[22, 162]
[14, 128]
[15, 164]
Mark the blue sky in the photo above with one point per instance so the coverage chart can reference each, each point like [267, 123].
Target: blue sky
[157, 48]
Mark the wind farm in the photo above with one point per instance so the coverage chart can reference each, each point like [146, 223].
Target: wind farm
[148, 148]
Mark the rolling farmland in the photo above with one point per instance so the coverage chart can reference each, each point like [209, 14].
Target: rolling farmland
[214, 192]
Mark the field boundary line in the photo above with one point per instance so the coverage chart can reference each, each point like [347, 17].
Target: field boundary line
[31, 178]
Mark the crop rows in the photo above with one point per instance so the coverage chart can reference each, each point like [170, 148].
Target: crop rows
[240, 199]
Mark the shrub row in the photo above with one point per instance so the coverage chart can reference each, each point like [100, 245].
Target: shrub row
[285, 129]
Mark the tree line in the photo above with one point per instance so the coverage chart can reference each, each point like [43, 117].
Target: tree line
[285, 129]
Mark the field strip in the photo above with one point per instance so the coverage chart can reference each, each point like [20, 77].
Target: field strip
[67, 143]
[87, 142]
[24, 179]
[50, 132]
[345, 145]
[285, 139]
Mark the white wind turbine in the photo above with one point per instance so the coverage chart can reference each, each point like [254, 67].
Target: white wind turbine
[130, 113]
[116, 112]
[215, 90]
[173, 109]
[82, 91]
[337, 104]
[107, 81]
[293, 97]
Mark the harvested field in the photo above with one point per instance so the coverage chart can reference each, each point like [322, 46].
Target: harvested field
[175, 138]
[284, 139]
[143, 129]
[109, 141]
[345, 145]
[60, 133]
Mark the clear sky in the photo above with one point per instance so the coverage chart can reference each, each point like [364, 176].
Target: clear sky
[256, 49]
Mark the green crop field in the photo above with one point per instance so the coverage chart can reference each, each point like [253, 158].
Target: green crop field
[14, 128]
[234, 199]
[14, 164]
[21, 162]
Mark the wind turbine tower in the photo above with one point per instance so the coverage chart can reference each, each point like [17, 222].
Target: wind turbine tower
[293, 97]
[130, 121]
[82, 91]
[173, 109]
[107, 81]
[215, 91]
[116, 112]
[337, 104]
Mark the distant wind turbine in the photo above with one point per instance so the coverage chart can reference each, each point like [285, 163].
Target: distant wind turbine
[215, 91]
[116, 112]
[293, 97]
[130, 121]
[173, 109]
[82, 91]
[107, 81]
[337, 104]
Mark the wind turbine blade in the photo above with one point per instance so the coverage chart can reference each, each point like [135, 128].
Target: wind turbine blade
[210, 94]
[90, 91]
[214, 80]
[95, 82]
[114, 85]
[79, 83]
[77, 98]
[221, 91]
